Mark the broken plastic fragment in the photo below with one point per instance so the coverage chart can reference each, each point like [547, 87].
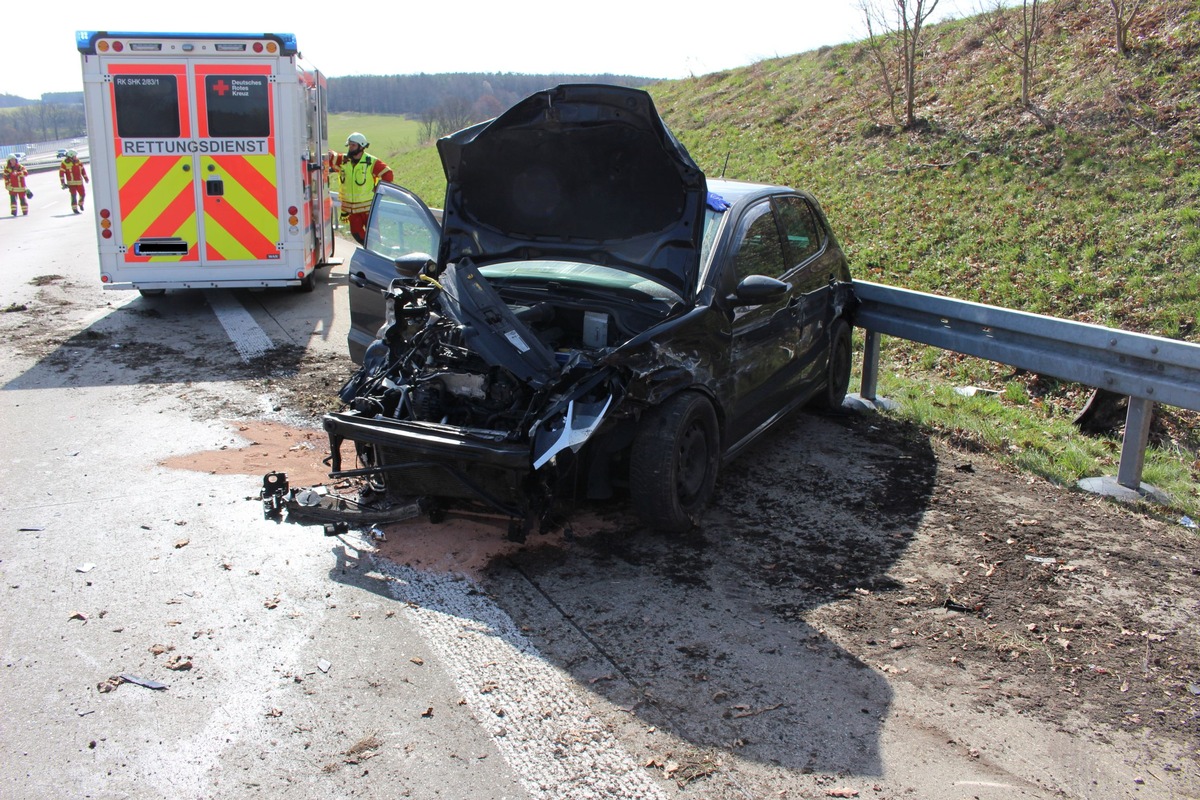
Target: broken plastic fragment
[149, 684]
[324, 665]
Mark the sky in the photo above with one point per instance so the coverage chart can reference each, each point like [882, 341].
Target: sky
[646, 38]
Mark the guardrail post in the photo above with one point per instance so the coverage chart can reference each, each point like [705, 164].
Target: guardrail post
[870, 368]
[1133, 446]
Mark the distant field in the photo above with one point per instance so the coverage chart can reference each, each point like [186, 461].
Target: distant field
[389, 135]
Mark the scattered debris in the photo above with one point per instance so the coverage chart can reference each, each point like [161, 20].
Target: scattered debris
[179, 663]
[85, 568]
[953, 605]
[79, 615]
[182, 542]
[971, 391]
[1188, 522]
[363, 749]
[417, 660]
[841, 792]
[1041, 560]
[274, 712]
[741, 712]
[146, 682]
[324, 665]
[29, 529]
[319, 504]
[272, 602]
[427, 713]
[159, 649]
[109, 685]
[684, 771]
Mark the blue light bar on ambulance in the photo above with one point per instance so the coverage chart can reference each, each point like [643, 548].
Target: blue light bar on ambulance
[86, 41]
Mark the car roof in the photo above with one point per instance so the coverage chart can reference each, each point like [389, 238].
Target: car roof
[734, 191]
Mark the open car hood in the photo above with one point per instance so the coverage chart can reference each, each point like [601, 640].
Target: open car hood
[580, 172]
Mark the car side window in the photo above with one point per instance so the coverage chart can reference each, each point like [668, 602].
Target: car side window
[397, 229]
[801, 231]
[760, 251]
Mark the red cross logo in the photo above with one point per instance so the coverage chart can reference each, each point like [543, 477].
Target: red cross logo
[221, 87]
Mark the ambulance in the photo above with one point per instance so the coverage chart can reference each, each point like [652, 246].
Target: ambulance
[207, 160]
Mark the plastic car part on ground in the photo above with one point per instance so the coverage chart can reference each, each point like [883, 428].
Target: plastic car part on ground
[319, 505]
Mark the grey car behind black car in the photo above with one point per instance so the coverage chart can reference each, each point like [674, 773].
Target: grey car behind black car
[591, 318]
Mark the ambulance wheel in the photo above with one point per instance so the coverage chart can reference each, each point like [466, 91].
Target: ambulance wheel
[308, 284]
[152, 292]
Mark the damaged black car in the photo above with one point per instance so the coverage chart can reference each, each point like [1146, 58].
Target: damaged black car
[591, 318]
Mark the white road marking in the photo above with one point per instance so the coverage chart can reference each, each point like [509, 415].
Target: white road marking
[249, 339]
[556, 747]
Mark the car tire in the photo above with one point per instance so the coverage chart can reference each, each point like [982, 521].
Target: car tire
[674, 461]
[837, 369]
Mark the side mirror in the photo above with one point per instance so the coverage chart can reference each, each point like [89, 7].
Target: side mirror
[755, 290]
[412, 264]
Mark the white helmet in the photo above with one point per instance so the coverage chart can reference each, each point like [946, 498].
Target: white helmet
[357, 138]
[71, 154]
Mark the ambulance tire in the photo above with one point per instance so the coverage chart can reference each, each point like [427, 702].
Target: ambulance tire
[308, 284]
[152, 292]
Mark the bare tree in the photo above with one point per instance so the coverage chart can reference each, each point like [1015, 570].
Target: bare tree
[894, 36]
[1124, 12]
[1018, 31]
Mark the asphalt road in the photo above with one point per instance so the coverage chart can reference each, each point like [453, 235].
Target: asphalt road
[296, 665]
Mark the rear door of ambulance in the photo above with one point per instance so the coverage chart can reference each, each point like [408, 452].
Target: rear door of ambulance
[194, 166]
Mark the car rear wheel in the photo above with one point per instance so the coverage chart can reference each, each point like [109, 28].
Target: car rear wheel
[674, 460]
[837, 371]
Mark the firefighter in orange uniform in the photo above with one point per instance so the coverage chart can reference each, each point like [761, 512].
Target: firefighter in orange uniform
[14, 184]
[358, 173]
[72, 175]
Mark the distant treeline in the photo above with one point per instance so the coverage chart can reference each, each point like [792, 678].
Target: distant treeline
[42, 122]
[58, 98]
[447, 102]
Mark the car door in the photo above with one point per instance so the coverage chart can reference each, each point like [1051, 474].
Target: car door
[810, 271]
[765, 337]
[402, 234]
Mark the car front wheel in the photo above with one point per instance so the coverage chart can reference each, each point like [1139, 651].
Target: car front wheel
[673, 464]
[837, 371]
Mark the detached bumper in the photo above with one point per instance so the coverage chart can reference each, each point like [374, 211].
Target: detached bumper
[437, 460]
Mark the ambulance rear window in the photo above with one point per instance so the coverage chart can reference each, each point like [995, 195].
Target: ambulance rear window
[147, 106]
[238, 105]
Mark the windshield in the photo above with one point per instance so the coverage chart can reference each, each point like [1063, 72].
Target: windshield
[574, 273]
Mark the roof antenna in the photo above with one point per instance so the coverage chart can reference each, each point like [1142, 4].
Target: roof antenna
[725, 165]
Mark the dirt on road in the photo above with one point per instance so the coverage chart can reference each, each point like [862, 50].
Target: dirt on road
[852, 570]
[885, 552]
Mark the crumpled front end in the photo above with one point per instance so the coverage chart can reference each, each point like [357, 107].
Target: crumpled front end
[464, 397]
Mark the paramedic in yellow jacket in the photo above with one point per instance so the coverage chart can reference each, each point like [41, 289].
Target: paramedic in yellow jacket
[14, 184]
[72, 175]
[358, 172]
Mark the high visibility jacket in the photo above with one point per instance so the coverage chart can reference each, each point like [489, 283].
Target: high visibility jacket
[72, 172]
[357, 181]
[14, 177]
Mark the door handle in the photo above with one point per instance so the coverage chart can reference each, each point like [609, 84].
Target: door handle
[359, 279]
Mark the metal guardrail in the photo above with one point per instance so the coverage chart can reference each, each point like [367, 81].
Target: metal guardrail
[1146, 369]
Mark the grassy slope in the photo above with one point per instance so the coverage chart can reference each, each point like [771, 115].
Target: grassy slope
[1094, 218]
